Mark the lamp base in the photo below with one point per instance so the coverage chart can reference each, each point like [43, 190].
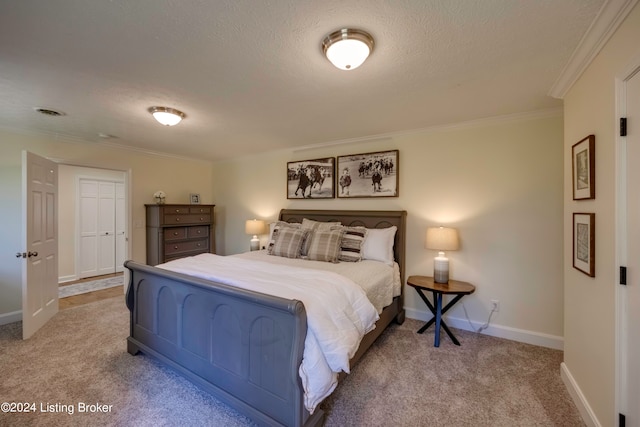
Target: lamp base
[255, 244]
[441, 269]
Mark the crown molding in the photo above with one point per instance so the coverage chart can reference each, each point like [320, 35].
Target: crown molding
[607, 21]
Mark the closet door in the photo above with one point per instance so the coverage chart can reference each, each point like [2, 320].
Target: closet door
[106, 227]
[121, 238]
[88, 228]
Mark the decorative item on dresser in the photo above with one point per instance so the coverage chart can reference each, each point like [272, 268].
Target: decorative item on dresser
[176, 231]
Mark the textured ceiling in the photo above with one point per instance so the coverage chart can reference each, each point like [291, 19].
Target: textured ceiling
[251, 77]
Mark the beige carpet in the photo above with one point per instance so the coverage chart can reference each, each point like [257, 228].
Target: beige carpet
[80, 358]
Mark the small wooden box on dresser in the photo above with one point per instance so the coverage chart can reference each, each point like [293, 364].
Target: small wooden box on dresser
[176, 231]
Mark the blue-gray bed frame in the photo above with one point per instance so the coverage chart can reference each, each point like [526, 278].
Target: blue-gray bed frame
[243, 347]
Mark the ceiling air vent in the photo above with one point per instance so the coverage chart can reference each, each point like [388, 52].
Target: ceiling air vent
[49, 112]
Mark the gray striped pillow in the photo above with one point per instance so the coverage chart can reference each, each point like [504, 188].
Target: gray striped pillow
[325, 246]
[286, 242]
[351, 245]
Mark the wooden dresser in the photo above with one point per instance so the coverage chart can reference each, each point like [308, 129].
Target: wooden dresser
[176, 231]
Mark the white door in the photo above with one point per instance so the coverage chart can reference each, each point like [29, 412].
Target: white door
[106, 227]
[40, 236]
[88, 228]
[633, 252]
[121, 225]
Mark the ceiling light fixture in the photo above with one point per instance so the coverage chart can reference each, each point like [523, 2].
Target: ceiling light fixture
[347, 48]
[167, 116]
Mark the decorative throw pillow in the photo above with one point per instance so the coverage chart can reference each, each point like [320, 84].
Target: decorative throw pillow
[351, 244]
[287, 241]
[309, 224]
[378, 244]
[273, 225]
[324, 245]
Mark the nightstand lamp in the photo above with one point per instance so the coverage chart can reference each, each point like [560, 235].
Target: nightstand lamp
[254, 227]
[441, 239]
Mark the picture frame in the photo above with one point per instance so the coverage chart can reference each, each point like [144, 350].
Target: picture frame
[311, 179]
[584, 243]
[583, 166]
[368, 174]
[194, 198]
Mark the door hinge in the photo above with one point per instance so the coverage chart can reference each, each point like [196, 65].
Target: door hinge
[621, 420]
[623, 275]
[623, 126]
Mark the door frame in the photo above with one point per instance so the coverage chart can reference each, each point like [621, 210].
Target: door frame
[621, 400]
[128, 205]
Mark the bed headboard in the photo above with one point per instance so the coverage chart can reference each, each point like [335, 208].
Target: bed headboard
[369, 219]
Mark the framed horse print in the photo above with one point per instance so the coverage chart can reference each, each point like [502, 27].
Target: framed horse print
[368, 174]
[311, 179]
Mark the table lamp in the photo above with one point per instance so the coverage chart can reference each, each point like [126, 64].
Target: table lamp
[441, 239]
[254, 227]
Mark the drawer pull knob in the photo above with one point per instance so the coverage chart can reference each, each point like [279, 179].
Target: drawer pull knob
[175, 233]
[177, 219]
[199, 231]
[175, 247]
[177, 210]
[201, 219]
[199, 245]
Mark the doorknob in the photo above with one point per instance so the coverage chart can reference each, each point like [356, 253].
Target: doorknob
[30, 254]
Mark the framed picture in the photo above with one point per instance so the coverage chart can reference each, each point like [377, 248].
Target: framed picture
[584, 168]
[195, 198]
[368, 174]
[311, 179]
[584, 243]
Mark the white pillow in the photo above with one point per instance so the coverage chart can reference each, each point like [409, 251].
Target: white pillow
[378, 244]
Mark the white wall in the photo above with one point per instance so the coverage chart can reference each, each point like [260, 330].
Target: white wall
[499, 183]
[590, 315]
[149, 173]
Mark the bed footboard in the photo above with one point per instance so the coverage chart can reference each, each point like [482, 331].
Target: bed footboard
[241, 346]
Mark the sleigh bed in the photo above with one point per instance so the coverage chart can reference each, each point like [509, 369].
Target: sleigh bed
[242, 346]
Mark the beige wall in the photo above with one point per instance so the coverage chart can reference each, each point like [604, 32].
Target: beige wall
[500, 184]
[590, 316]
[147, 173]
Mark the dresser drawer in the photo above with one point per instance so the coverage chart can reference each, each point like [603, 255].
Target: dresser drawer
[176, 233]
[189, 246]
[187, 219]
[198, 231]
[200, 210]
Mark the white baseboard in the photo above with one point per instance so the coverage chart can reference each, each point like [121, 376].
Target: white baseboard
[14, 316]
[70, 278]
[520, 335]
[588, 416]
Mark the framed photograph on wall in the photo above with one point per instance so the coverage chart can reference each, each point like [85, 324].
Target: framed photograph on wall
[311, 179]
[194, 198]
[584, 243]
[368, 174]
[584, 168]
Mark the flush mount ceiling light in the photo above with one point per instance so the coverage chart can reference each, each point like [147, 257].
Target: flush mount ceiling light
[347, 48]
[167, 116]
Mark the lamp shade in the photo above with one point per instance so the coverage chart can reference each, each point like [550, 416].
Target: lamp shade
[442, 239]
[254, 227]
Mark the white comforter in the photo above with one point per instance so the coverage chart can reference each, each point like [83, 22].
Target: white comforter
[338, 311]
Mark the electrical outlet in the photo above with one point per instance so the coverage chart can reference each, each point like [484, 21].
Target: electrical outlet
[495, 305]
